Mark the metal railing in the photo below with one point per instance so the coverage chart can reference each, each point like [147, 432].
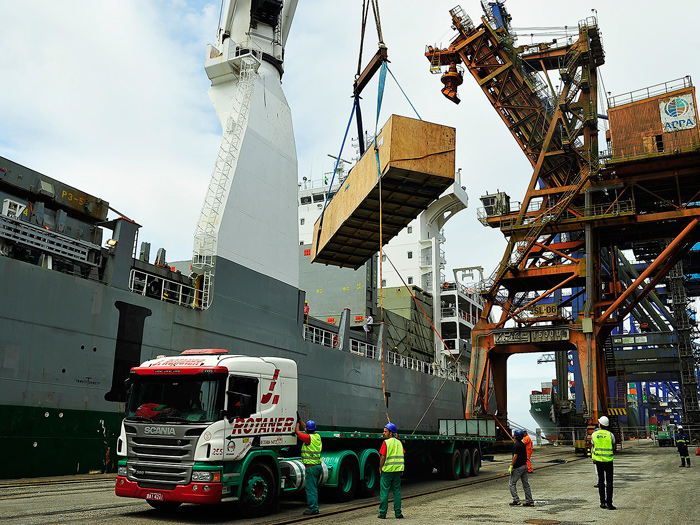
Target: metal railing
[651, 91]
[320, 336]
[329, 339]
[671, 146]
[458, 312]
[160, 288]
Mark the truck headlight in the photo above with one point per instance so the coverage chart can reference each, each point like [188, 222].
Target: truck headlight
[121, 471]
[203, 475]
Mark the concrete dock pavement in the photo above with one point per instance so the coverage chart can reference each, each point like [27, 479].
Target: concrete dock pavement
[649, 488]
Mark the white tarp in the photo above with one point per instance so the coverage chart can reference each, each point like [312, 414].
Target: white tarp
[678, 113]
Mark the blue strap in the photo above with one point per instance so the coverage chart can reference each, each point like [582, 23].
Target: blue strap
[380, 93]
[380, 96]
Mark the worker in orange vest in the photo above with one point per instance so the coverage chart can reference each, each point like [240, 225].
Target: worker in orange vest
[528, 448]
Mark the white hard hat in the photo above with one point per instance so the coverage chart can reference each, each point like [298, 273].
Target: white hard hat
[680, 427]
[603, 420]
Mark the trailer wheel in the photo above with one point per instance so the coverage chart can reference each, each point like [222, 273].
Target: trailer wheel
[476, 462]
[466, 462]
[163, 506]
[258, 491]
[451, 465]
[370, 478]
[348, 474]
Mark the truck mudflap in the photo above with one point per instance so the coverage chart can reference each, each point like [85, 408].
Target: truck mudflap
[192, 493]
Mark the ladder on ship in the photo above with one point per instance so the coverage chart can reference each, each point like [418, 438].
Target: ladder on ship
[205, 242]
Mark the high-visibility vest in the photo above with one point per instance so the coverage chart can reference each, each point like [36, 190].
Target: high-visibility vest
[311, 453]
[394, 456]
[602, 446]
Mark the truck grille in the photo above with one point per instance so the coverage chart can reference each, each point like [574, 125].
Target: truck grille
[160, 462]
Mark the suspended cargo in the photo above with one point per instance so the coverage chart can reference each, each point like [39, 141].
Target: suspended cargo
[417, 163]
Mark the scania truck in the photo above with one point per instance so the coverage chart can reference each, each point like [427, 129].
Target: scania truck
[211, 427]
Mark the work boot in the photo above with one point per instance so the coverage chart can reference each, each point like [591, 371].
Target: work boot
[381, 517]
[310, 512]
[514, 503]
[603, 506]
[612, 507]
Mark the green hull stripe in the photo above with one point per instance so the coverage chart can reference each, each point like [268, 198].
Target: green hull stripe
[51, 442]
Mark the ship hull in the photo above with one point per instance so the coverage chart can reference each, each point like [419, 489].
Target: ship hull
[68, 344]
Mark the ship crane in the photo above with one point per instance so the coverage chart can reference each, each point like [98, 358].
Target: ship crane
[566, 235]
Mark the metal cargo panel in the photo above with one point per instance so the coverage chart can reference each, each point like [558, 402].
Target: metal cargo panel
[417, 163]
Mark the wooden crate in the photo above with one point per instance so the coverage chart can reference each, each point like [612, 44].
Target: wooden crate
[417, 162]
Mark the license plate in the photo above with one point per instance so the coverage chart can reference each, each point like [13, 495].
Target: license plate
[154, 496]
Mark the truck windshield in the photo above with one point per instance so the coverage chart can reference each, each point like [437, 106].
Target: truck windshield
[196, 398]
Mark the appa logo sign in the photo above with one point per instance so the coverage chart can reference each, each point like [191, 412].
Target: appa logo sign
[678, 113]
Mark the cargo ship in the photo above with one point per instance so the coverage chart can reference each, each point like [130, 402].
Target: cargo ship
[83, 301]
[558, 420]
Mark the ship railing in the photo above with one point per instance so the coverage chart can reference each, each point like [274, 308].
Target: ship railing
[320, 336]
[451, 311]
[47, 241]
[409, 362]
[330, 339]
[364, 349]
[167, 290]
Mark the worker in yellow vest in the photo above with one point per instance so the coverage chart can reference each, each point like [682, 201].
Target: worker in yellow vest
[311, 457]
[391, 468]
[603, 443]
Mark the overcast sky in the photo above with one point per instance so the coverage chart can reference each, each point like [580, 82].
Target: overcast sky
[110, 97]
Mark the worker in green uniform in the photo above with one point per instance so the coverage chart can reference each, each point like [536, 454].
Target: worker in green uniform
[391, 467]
[602, 454]
[311, 457]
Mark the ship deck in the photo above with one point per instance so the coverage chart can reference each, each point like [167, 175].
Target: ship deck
[648, 488]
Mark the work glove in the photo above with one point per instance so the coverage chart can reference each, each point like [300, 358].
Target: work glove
[510, 469]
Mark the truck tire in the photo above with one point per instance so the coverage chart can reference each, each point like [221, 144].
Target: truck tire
[466, 462]
[476, 462]
[348, 475]
[367, 486]
[258, 492]
[164, 506]
[451, 465]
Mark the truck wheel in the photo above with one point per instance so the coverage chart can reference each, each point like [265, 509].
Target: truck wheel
[348, 474]
[370, 478]
[476, 462]
[466, 462]
[451, 465]
[258, 492]
[164, 506]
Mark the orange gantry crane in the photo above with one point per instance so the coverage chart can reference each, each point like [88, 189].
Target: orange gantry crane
[576, 216]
